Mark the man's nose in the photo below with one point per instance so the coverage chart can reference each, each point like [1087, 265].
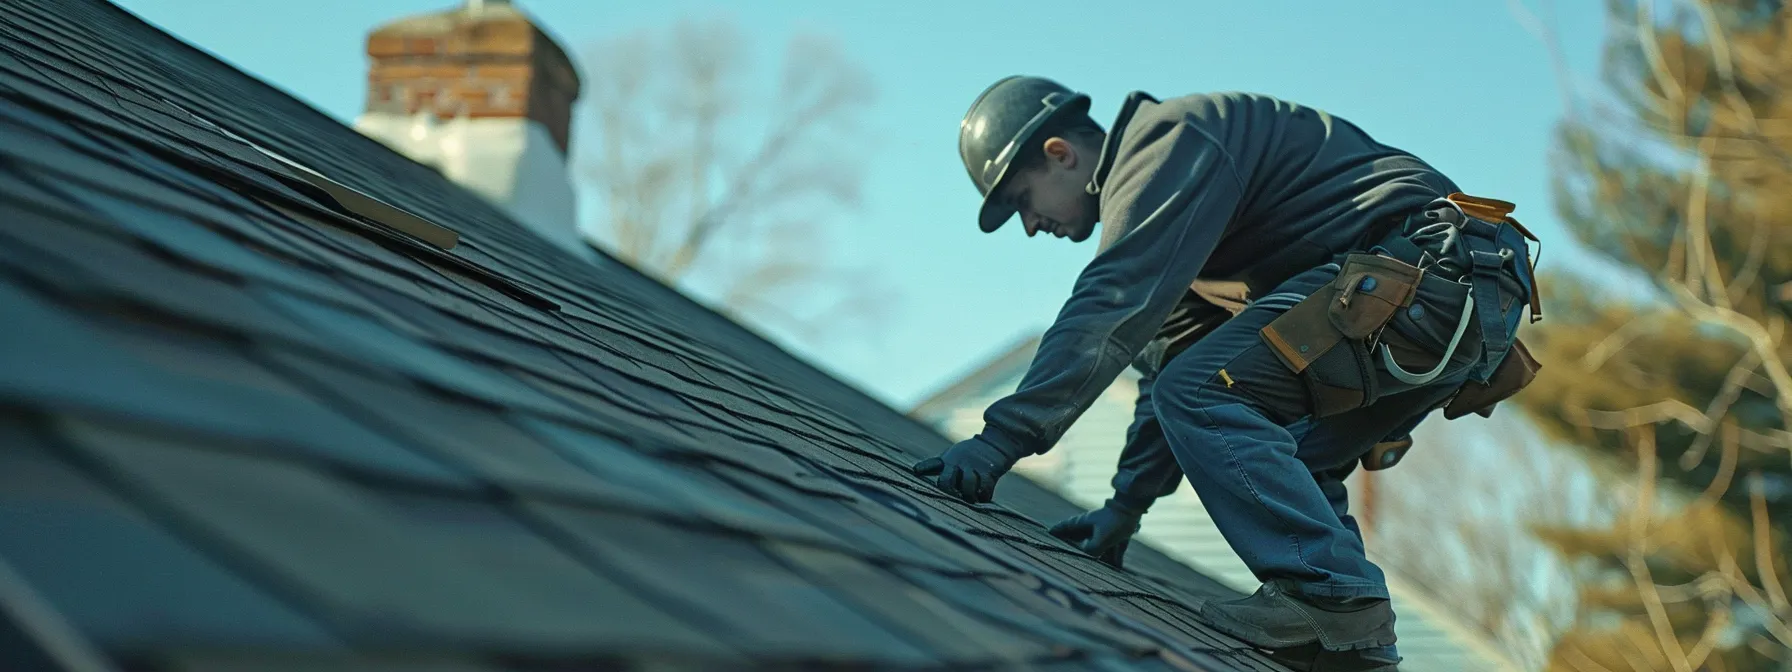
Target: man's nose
[1032, 222]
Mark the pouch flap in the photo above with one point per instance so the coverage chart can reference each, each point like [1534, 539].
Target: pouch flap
[1370, 289]
[1482, 208]
[1304, 333]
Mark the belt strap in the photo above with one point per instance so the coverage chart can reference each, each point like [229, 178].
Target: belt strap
[1491, 247]
[1499, 213]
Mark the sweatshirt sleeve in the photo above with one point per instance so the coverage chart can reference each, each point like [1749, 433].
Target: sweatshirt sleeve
[1172, 193]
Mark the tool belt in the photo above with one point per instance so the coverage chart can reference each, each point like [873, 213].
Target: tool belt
[1326, 338]
[1334, 338]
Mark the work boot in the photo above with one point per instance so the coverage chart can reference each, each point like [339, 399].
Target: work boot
[1313, 658]
[1273, 619]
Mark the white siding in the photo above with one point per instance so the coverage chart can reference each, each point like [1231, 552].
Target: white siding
[512, 162]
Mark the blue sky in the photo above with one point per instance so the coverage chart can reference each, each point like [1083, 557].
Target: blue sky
[1458, 82]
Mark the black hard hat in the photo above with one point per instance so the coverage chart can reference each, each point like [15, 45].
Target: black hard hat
[1003, 121]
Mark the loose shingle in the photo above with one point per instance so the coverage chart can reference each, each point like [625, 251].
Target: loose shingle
[894, 540]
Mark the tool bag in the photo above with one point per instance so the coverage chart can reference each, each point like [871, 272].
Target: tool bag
[1513, 374]
[1326, 338]
[1331, 338]
[1495, 241]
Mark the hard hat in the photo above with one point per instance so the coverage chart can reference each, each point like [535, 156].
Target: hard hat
[1001, 123]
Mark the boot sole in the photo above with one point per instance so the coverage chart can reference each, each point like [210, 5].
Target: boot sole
[1313, 658]
[1381, 635]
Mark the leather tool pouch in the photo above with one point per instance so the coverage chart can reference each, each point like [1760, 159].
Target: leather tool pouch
[1514, 373]
[1327, 338]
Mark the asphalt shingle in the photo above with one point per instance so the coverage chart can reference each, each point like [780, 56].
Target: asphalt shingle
[242, 427]
[117, 575]
[812, 623]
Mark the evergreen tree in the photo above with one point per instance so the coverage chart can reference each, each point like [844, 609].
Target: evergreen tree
[1682, 177]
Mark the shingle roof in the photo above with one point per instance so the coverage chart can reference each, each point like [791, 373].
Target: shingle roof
[241, 427]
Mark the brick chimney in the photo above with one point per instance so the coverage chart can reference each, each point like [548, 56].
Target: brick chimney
[484, 95]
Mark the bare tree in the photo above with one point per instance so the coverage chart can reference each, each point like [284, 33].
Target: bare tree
[726, 187]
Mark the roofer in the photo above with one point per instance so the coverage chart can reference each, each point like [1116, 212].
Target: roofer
[1294, 293]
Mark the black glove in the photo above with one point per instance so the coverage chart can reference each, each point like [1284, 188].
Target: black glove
[1103, 533]
[969, 469]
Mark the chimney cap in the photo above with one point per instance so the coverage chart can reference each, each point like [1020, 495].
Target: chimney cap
[469, 12]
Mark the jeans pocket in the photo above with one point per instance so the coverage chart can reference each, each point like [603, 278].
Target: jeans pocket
[1341, 381]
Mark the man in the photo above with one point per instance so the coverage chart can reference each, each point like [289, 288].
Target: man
[1294, 293]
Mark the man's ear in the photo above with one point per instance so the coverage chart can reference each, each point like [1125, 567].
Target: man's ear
[1060, 151]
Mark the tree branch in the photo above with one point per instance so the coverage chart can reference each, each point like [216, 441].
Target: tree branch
[1636, 559]
[1763, 543]
[1727, 395]
[1726, 466]
[1750, 595]
[665, 108]
[1613, 343]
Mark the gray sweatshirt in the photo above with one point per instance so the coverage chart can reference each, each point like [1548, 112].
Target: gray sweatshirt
[1213, 187]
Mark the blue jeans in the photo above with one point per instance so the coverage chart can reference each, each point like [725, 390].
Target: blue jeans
[1270, 475]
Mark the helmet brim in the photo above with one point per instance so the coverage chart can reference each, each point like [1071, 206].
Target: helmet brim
[995, 211]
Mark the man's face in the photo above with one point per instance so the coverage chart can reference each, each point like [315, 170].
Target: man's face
[1051, 198]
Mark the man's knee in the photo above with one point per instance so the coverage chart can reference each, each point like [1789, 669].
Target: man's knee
[1175, 403]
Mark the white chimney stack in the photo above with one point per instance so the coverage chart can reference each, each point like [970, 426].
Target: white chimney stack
[484, 95]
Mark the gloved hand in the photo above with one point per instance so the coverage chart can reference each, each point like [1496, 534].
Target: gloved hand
[1103, 533]
[969, 469]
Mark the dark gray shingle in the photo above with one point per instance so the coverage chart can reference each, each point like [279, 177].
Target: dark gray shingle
[219, 386]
